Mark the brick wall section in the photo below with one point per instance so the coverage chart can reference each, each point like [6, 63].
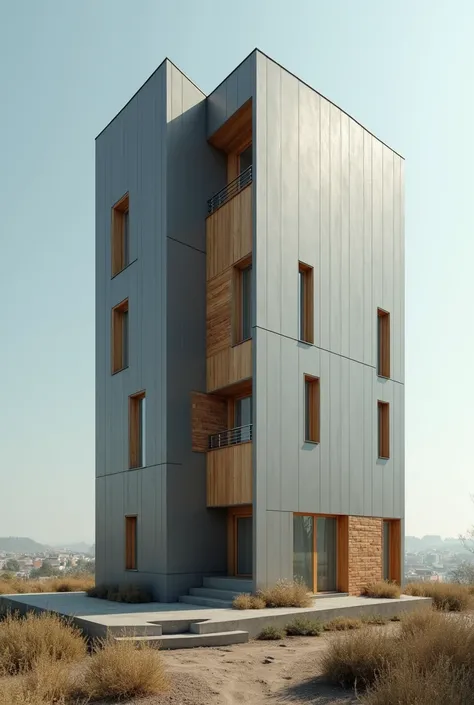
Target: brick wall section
[208, 416]
[365, 552]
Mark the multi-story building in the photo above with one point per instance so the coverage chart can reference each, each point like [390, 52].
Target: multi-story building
[250, 338]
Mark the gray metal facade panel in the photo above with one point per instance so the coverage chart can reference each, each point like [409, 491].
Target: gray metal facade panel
[348, 225]
[231, 94]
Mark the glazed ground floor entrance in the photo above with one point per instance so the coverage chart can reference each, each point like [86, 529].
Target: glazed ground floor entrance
[329, 553]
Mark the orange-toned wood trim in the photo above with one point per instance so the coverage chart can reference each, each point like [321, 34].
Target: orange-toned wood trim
[131, 542]
[208, 416]
[229, 475]
[395, 558]
[232, 514]
[229, 233]
[383, 412]
[117, 249]
[307, 273]
[236, 131]
[342, 550]
[314, 408]
[383, 343]
[116, 347]
[134, 430]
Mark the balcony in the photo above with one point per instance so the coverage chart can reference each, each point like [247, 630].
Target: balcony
[231, 437]
[229, 191]
[229, 467]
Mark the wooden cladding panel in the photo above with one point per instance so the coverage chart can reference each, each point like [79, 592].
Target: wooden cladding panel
[383, 410]
[131, 543]
[383, 343]
[229, 476]
[229, 366]
[343, 554]
[395, 541]
[209, 414]
[219, 312]
[236, 131]
[229, 233]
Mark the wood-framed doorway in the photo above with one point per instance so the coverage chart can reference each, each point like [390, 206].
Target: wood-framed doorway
[335, 577]
[236, 561]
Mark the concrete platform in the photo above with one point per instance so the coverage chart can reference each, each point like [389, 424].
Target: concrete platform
[175, 620]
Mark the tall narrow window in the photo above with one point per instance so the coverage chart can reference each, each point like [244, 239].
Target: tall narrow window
[119, 343]
[305, 303]
[242, 302]
[131, 543]
[383, 343]
[120, 240]
[311, 409]
[137, 430]
[243, 419]
[383, 409]
[386, 550]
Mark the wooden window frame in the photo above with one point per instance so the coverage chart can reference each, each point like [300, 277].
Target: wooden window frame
[313, 408]
[117, 241]
[342, 550]
[233, 514]
[117, 337]
[136, 452]
[131, 542]
[237, 294]
[306, 303]
[383, 429]
[395, 550]
[383, 343]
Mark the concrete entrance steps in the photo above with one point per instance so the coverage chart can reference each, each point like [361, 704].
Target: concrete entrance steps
[188, 640]
[217, 592]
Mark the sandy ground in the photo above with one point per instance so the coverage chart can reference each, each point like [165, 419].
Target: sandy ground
[250, 674]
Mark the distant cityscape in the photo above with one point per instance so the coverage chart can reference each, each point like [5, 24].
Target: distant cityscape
[428, 558]
[26, 558]
[433, 558]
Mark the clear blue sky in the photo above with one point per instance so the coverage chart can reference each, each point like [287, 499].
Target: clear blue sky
[404, 69]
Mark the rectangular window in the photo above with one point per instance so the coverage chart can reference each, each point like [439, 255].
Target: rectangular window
[383, 343]
[383, 409]
[305, 303]
[243, 419]
[137, 430]
[131, 543]
[120, 240]
[386, 550]
[242, 303]
[311, 409]
[120, 336]
[315, 552]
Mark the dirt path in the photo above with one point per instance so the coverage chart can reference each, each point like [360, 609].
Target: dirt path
[251, 674]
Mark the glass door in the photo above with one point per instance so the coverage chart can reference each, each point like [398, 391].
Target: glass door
[315, 552]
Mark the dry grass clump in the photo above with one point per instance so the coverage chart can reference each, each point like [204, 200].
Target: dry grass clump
[383, 589]
[375, 620]
[430, 660]
[301, 626]
[16, 586]
[342, 624]
[447, 597]
[132, 594]
[286, 593]
[271, 634]
[25, 641]
[245, 601]
[122, 669]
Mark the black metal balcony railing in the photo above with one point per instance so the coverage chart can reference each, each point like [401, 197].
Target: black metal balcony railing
[232, 189]
[231, 437]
